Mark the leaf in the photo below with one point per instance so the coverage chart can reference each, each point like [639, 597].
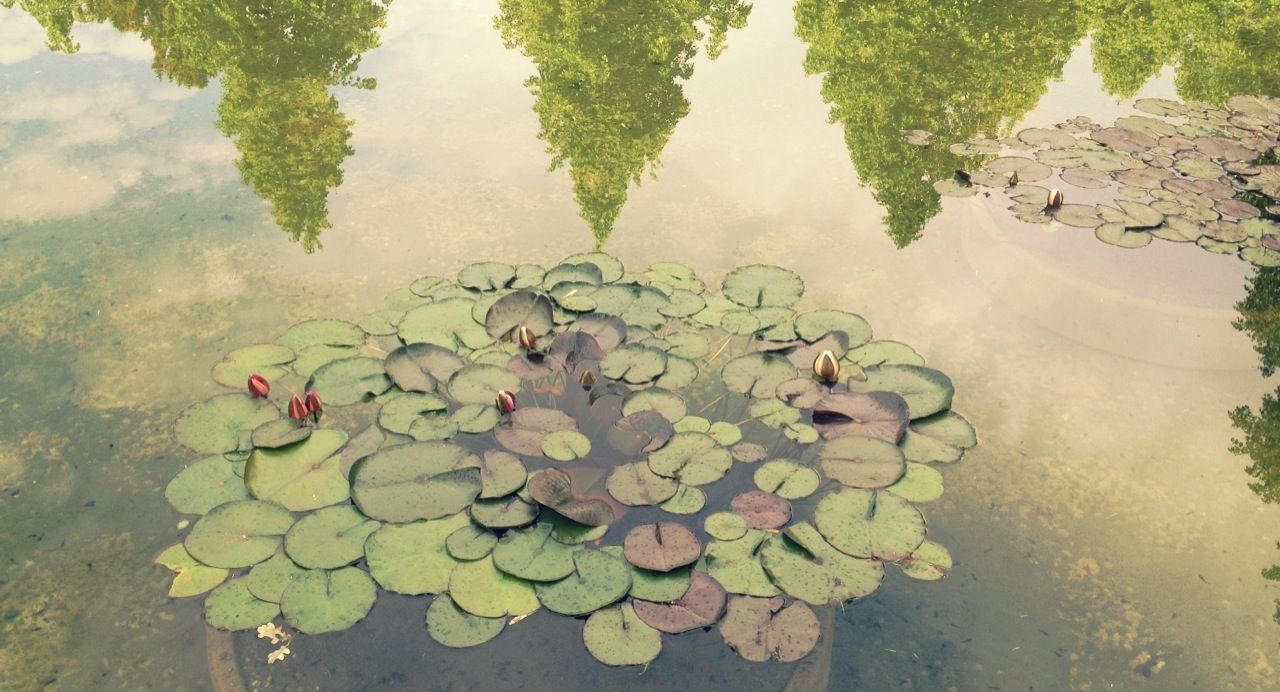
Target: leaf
[692, 458]
[268, 360]
[598, 579]
[523, 308]
[525, 428]
[421, 367]
[636, 485]
[456, 628]
[232, 607]
[238, 534]
[870, 523]
[881, 415]
[480, 589]
[531, 553]
[761, 629]
[762, 510]
[222, 423]
[190, 578]
[757, 374]
[700, 606]
[413, 558]
[760, 285]
[447, 323]
[552, 488]
[862, 462]
[322, 601]
[616, 636]
[421, 480]
[303, 476]
[806, 567]
[661, 547]
[786, 479]
[329, 538]
[634, 364]
[349, 381]
[927, 391]
[736, 565]
[322, 332]
[204, 485]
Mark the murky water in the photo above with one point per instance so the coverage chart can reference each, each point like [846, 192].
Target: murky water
[160, 184]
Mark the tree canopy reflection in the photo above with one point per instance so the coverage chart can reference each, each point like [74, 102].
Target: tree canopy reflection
[276, 60]
[608, 89]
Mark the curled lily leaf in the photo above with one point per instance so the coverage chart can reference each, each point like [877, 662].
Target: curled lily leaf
[315, 407]
[297, 408]
[506, 402]
[259, 386]
[826, 366]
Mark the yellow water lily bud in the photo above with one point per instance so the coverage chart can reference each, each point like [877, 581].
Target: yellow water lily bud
[826, 366]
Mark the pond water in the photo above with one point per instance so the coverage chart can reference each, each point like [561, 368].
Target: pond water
[180, 179]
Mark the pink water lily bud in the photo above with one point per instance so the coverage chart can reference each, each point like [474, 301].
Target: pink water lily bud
[826, 366]
[1055, 199]
[259, 386]
[506, 402]
[315, 407]
[527, 338]
[297, 408]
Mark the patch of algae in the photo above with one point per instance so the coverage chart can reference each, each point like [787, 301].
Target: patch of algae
[45, 316]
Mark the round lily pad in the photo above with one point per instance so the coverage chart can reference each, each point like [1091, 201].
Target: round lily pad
[328, 601]
[448, 323]
[636, 485]
[204, 485]
[523, 308]
[762, 510]
[634, 364]
[280, 432]
[920, 483]
[456, 628]
[421, 367]
[566, 445]
[610, 267]
[329, 538]
[786, 479]
[763, 629]
[814, 325]
[322, 332]
[748, 452]
[736, 565]
[239, 533]
[268, 360]
[639, 432]
[725, 526]
[881, 352]
[480, 384]
[504, 512]
[475, 418]
[760, 285]
[757, 374]
[531, 553]
[268, 579]
[312, 358]
[927, 391]
[607, 331]
[302, 476]
[700, 606]
[480, 588]
[692, 458]
[598, 579]
[486, 276]
[661, 547]
[524, 431]
[929, 562]
[862, 462]
[659, 587]
[724, 433]
[687, 500]
[421, 480]
[942, 437]
[500, 474]
[190, 578]
[405, 412]
[807, 567]
[413, 558]
[232, 607]
[223, 423]
[553, 488]
[616, 636]
[663, 401]
[349, 381]
[470, 542]
[870, 523]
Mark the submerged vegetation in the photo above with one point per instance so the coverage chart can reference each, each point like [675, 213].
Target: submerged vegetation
[632, 447]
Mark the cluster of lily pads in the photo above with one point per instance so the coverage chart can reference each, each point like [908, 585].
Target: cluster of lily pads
[580, 439]
[1184, 172]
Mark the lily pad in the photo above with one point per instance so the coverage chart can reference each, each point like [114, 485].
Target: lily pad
[806, 567]
[870, 523]
[268, 579]
[475, 418]
[610, 267]
[566, 445]
[280, 432]
[882, 415]
[470, 542]
[523, 308]
[881, 352]
[640, 432]
[223, 423]
[456, 628]
[812, 326]
[634, 364]
[636, 485]
[668, 403]
[920, 483]
[329, 538]
[421, 480]
[500, 474]
[929, 562]
[701, 605]
[303, 476]
[190, 578]
[421, 367]
[479, 588]
[504, 513]
[328, 601]
[786, 479]
[323, 332]
[238, 534]
[659, 587]
[532, 554]
[687, 500]
[942, 437]
[762, 629]
[349, 381]
[661, 547]
[725, 526]
[524, 431]
[736, 565]
[616, 636]
[232, 607]
[268, 360]
[762, 510]
[446, 323]
[692, 458]
[760, 285]
[598, 579]
[480, 384]
[862, 462]
[401, 413]
[413, 558]
[486, 276]
[204, 485]
[927, 391]
[757, 374]
[552, 488]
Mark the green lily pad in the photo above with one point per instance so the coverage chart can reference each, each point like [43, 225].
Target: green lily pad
[204, 485]
[761, 629]
[610, 267]
[634, 364]
[661, 547]
[268, 360]
[877, 414]
[447, 323]
[470, 542]
[774, 413]
[269, 578]
[942, 437]
[806, 567]
[190, 578]
[1116, 234]
[500, 474]
[636, 485]
[456, 628]
[787, 479]
[479, 588]
[700, 606]
[668, 403]
[223, 423]
[736, 565]
[421, 480]
[659, 587]
[802, 433]
[280, 432]
[748, 452]
[238, 534]
[930, 562]
[757, 374]
[725, 526]
[585, 273]
[524, 431]
[413, 558]
[674, 275]
[475, 418]
[523, 308]
[607, 331]
[571, 532]
[329, 538]
[323, 332]
[687, 500]
[232, 607]
[639, 432]
[531, 553]
[759, 285]
[528, 275]
[421, 367]
[870, 523]
[349, 381]
[504, 513]
[328, 601]
[616, 636]
[487, 276]
[480, 384]
[312, 358]
[365, 442]
[692, 458]
[566, 445]
[812, 326]
[682, 303]
[862, 462]
[694, 424]
[598, 579]
[725, 434]
[636, 305]
[927, 391]
[883, 352]
[303, 476]
[402, 413]
[381, 322]
[919, 484]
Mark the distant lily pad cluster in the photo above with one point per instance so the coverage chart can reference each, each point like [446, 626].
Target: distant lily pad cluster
[1184, 172]
[634, 449]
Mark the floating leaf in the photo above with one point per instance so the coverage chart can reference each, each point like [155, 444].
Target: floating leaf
[700, 606]
[523, 308]
[531, 553]
[812, 326]
[608, 331]
[616, 636]
[204, 485]
[757, 374]
[470, 542]
[862, 462]
[610, 267]
[446, 323]
[268, 579]
[421, 480]
[725, 526]
[870, 523]
[598, 579]
[413, 558]
[349, 381]
[929, 562]
[640, 432]
[565, 445]
[659, 587]
[223, 423]
[280, 432]
[942, 437]
[692, 458]
[687, 500]
[920, 483]
[267, 360]
[882, 352]
[238, 534]
[927, 391]
[312, 358]
[761, 629]
[421, 367]
[759, 285]
[486, 276]
[786, 479]
[736, 565]
[668, 403]
[634, 364]
[636, 485]
[526, 427]
[475, 418]
[661, 547]
[456, 628]
[329, 538]
[190, 578]
[504, 513]
[328, 601]
[762, 510]
[806, 567]
[479, 588]
[303, 476]
[232, 607]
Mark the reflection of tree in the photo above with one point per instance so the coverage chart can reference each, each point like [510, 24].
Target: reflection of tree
[1260, 319]
[276, 60]
[606, 91]
[952, 67]
[1220, 48]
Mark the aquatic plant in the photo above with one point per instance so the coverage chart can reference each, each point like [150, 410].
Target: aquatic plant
[636, 448]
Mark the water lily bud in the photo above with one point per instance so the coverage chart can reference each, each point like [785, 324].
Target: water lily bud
[315, 407]
[587, 379]
[1013, 179]
[1055, 199]
[826, 366]
[506, 402]
[526, 337]
[259, 386]
[297, 408]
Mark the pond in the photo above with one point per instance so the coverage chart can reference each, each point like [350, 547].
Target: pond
[180, 180]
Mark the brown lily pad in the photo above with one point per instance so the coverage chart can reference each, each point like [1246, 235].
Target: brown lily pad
[640, 432]
[553, 488]
[762, 510]
[661, 547]
[762, 629]
[700, 606]
[882, 415]
[524, 431]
